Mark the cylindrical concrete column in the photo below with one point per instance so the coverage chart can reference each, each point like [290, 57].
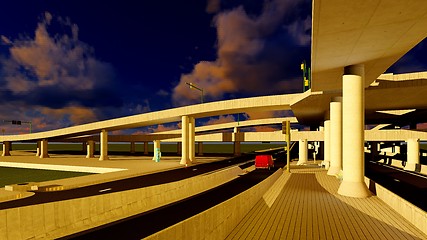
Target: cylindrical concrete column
[38, 149]
[192, 138]
[132, 147]
[413, 154]
[145, 148]
[303, 152]
[374, 150]
[236, 149]
[353, 184]
[200, 148]
[236, 145]
[44, 149]
[178, 148]
[157, 154]
[185, 141]
[103, 145]
[90, 149]
[335, 147]
[6, 149]
[326, 144]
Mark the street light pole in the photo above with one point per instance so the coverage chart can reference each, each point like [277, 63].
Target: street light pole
[195, 87]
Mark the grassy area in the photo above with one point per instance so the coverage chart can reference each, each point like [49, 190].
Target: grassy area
[11, 175]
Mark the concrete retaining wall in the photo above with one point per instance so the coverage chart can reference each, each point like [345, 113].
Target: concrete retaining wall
[218, 221]
[56, 219]
[410, 212]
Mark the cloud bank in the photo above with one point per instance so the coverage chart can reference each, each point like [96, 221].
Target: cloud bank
[56, 76]
[253, 53]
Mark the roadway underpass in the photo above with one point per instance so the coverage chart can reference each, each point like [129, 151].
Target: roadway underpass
[125, 184]
[145, 224]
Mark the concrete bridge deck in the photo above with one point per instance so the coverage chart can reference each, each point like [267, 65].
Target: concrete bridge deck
[306, 205]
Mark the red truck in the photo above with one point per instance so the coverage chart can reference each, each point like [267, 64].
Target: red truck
[264, 161]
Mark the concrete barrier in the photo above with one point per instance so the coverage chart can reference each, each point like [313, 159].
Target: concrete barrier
[218, 221]
[410, 212]
[62, 218]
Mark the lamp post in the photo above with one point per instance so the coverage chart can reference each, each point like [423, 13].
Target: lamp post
[195, 87]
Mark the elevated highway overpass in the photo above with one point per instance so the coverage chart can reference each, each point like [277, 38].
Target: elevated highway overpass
[352, 45]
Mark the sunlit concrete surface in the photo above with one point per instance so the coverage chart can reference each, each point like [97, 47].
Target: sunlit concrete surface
[374, 33]
[265, 103]
[57, 167]
[308, 207]
[127, 166]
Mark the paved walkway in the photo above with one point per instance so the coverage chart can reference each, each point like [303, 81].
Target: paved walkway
[306, 206]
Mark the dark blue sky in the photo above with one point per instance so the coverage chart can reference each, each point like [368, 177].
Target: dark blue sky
[69, 62]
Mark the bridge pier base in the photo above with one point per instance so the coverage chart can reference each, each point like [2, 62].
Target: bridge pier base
[192, 138]
[200, 148]
[303, 152]
[38, 149]
[326, 144]
[6, 148]
[185, 141]
[103, 145]
[44, 149]
[353, 108]
[335, 147]
[178, 148]
[413, 154]
[145, 148]
[90, 149]
[132, 147]
[157, 154]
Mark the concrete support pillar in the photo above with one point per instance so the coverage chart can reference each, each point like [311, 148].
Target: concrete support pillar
[236, 144]
[157, 154]
[132, 147]
[178, 148]
[374, 151]
[200, 148]
[44, 149]
[236, 149]
[413, 154]
[185, 141]
[145, 148]
[90, 149]
[303, 152]
[6, 148]
[335, 147]
[38, 149]
[353, 184]
[192, 138]
[103, 145]
[327, 144]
